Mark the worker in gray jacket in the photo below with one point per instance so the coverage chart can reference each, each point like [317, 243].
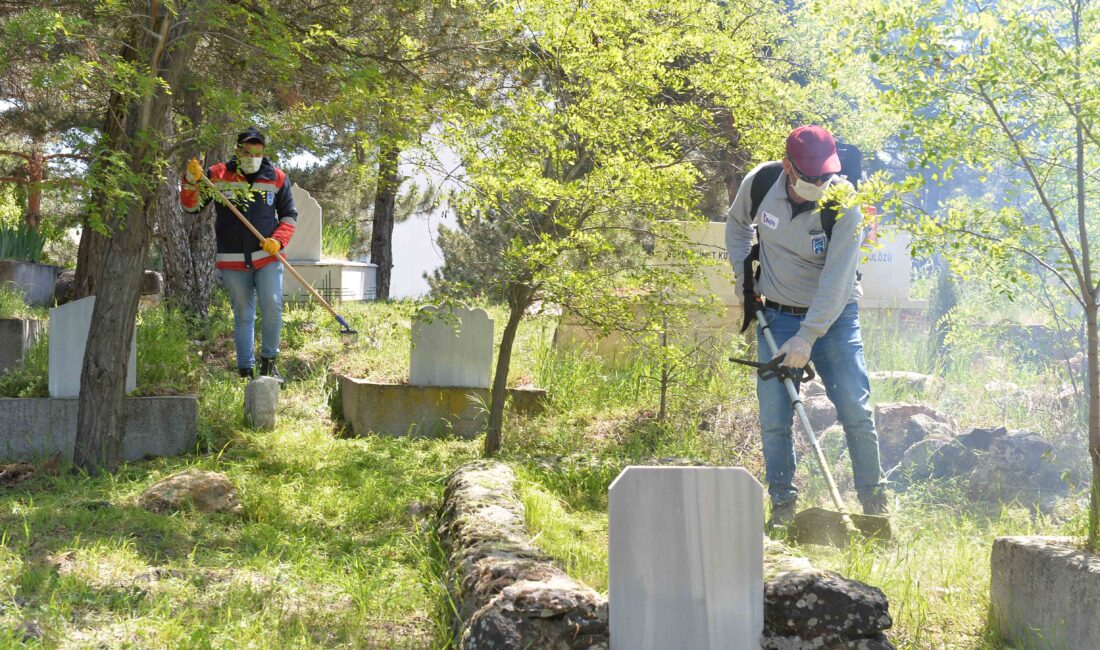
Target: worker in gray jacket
[809, 287]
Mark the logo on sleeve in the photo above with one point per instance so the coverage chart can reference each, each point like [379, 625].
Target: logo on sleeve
[817, 243]
[770, 220]
[271, 198]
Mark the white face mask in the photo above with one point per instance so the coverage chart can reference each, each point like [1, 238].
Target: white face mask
[809, 191]
[249, 164]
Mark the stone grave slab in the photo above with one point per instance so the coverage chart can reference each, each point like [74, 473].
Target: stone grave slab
[451, 347]
[305, 245]
[686, 559]
[69, 325]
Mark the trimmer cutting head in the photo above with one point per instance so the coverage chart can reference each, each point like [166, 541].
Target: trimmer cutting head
[828, 528]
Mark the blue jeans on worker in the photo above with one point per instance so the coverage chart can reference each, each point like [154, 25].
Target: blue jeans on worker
[838, 359]
[244, 287]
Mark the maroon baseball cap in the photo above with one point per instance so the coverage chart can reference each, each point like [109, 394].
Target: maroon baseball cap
[813, 151]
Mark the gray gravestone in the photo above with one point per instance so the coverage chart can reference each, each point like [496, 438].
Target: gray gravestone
[451, 348]
[69, 325]
[305, 245]
[261, 401]
[686, 559]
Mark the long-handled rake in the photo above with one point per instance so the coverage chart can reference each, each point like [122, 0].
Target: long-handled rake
[195, 169]
[816, 525]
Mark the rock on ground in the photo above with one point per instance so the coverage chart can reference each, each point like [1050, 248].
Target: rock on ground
[508, 593]
[821, 609]
[261, 403]
[812, 388]
[982, 439]
[934, 457]
[205, 491]
[821, 412]
[893, 422]
[64, 288]
[1017, 467]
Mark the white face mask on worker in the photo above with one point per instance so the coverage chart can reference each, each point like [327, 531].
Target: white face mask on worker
[809, 191]
[249, 164]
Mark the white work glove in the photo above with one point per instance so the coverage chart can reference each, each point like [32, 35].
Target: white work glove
[797, 350]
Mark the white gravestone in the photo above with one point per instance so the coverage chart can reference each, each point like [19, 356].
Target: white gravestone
[686, 559]
[69, 325]
[451, 348]
[305, 245]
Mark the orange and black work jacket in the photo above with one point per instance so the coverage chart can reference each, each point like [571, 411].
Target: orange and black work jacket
[269, 206]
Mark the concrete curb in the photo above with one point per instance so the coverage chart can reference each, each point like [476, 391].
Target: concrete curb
[37, 428]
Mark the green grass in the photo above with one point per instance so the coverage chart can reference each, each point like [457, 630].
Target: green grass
[339, 238]
[935, 572]
[329, 553]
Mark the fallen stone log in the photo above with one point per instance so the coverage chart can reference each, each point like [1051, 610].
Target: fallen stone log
[508, 594]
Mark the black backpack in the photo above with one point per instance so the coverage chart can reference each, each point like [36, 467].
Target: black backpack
[851, 167]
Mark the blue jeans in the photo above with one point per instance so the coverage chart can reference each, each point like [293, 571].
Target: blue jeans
[838, 358]
[243, 287]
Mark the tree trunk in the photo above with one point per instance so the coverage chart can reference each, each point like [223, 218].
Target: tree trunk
[36, 173]
[133, 127]
[186, 240]
[385, 208]
[1094, 421]
[187, 245]
[519, 299]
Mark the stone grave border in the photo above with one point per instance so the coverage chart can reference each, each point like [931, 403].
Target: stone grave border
[505, 588]
[429, 411]
[36, 428]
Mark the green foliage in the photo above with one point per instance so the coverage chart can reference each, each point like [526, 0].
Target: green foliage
[21, 243]
[13, 304]
[339, 239]
[30, 379]
[167, 363]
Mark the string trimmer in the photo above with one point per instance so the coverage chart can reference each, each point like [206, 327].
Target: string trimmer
[816, 525]
[195, 169]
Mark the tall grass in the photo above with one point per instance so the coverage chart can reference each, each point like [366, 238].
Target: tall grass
[338, 238]
[21, 243]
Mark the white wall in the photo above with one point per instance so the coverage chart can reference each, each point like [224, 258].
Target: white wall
[415, 251]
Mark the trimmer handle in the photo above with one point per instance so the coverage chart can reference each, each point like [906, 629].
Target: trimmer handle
[772, 370]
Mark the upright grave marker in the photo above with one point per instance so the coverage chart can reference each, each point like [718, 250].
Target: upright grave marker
[686, 559]
[451, 347]
[305, 245]
[69, 325]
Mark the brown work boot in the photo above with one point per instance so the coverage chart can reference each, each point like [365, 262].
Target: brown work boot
[782, 513]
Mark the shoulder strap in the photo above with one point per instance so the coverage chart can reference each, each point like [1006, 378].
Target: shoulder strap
[828, 219]
[761, 183]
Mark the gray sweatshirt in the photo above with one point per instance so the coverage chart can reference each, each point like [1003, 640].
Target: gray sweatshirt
[799, 265]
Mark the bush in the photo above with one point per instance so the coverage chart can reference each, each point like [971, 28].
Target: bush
[31, 380]
[167, 362]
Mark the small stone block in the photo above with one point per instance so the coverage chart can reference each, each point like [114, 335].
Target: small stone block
[261, 401]
[686, 559]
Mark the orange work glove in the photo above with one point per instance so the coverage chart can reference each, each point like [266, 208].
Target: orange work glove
[271, 246]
